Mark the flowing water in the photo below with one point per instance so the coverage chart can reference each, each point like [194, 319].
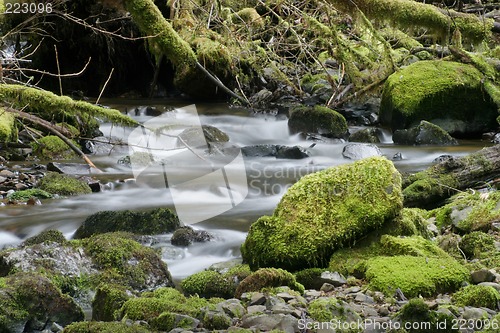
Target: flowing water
[267, 178]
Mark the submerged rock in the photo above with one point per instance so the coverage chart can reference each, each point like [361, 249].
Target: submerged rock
[323, 212]
[442, 92]
[278, 151]
[185, 236]
[425, 133]
[157, 221]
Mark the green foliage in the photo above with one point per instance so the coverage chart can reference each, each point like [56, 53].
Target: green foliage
[153, 222]
[61, 184]
[7, 126]
[52, 147]
[268, 277]
[477, 244]
[25, 195]
[46, 236]
[428, 90]
[323, 212]
[477, 296]
[414, 275]
[104, 327]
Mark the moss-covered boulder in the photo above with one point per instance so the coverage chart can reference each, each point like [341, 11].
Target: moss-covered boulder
[122, 260]
[330, 309]
[478, 296]
[108, 299]
[32, 301]
[46, 236]
[104, 327]
[469, 211]
[52, 147]
[153, 222]
[209, 284]
[7, 128]
[25, 195]
[416, 317]
[477, 244]
[414, 276]
[366, 135]
[324, 212]
[56, 183]
[448, 94]
[318, 119]
[268, 277]
[425, 133]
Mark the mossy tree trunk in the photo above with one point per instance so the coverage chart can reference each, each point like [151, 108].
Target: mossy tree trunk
[427, 188]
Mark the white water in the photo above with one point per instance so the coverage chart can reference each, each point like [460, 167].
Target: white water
[267, 180]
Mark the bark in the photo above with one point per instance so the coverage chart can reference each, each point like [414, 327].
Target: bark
[427, 188]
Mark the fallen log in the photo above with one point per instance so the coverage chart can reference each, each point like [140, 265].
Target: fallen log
[428, 188]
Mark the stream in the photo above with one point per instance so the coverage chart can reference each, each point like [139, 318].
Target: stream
[267, 178]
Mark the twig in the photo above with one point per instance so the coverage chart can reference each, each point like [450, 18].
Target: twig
[58, 70]
[51, 74]
[105, 84]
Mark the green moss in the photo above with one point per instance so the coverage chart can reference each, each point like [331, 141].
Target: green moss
[248, 16]
[52, 147]
[469, 212]
[268, 277]
[412, 246]
[328, 309]
[310, 277]
[477, 296]
[417, 316]
[25, 195]
[124, 261]
[428, 90]
[104, 327]
[317, 119]
[61, 184]
[323, 212]
[398, 38]
[109, 299]
[346, 261]
[410, 222]
[153, 222]
[75, 132]
[214, 321]
[477, 244]
[60, 108]
[428, 188]
[46, 236]
[7, 126]
[414, 275]
[208, 284]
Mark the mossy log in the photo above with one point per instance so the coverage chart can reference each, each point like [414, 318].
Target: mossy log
[427, 188]
[411, 14]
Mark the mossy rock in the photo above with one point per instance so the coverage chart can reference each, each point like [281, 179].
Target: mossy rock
[108, 299]
[208, 284]
[477, 296]
[310, 278]
[8, 130]
[367, 135]
[417, 317]
[425, 133]
[25, 195]
[31, 297]
[52, 147]
[104, 327]
[124, 261]
[415, 246]
[411, 222]
[331, 309]
[56, 183]
[440, 92]
[477, 244]
[414, 276]
[153, 222]
[46, 236]
[469, 211]
[268, 277]
[323, 212]
[318, 119]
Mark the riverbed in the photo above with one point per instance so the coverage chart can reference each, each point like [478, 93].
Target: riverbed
[225, 211]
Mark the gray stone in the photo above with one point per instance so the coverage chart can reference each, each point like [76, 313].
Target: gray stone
[358, 151]
[482, 275]
[2, 179]
[7, 174]
[312, 293]
[352, 290]
[258, 299]
[362, 298]
[189, 323]
[491, 284]
[69, 168]
[286, 323]
[458, 215]
[285, 296]
[256, 309]
[282, 308]
[384, 310]
[326, 287]
[425, 133]
[295, 152]
[471, 313]
[259, 151]
[366, 135]
[336, 279]
[233, 307]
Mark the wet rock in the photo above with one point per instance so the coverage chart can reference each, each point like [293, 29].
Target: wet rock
[185, 236]
[278, 151]
[157, 221]
[425, 133]
[69, 168]
[318, 119]
[496, 138]
[367, 135]
[103, 145]
[358, 151]
[294, 152]
[261, 98]
[194, 137]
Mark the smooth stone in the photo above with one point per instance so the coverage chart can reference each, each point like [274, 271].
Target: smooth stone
[482, 275]
[473, 313]
[362, 298]
[326, 287]
[252, 309]
[358, 151]
[335, 278]
[258, 299]
[69, 168]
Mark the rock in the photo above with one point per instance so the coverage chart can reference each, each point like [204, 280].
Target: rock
[327, 287]
[496, 138]
[366, 135]
[259, 151]
[471, 313]
[100, 326]
[108, 299]
[46, 236]
[491, 284]
[482, 275]
[363, 298]
[69, 168]
[208, 135]
[214, 320]
[438, 91]
[233, 308]
[153, 222]
[283, 322]
[56, 183]
[335, 278]
[317, 215]
[425, 133]
[102, 145]
[318, 119]
[258, 299]
[268, 277]
[261, 98]
[294, 152]
[34, 299]
[208, 284]
[477, 296]
[358, 151]
[476, 244]
[185, 236]
[7, 174]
